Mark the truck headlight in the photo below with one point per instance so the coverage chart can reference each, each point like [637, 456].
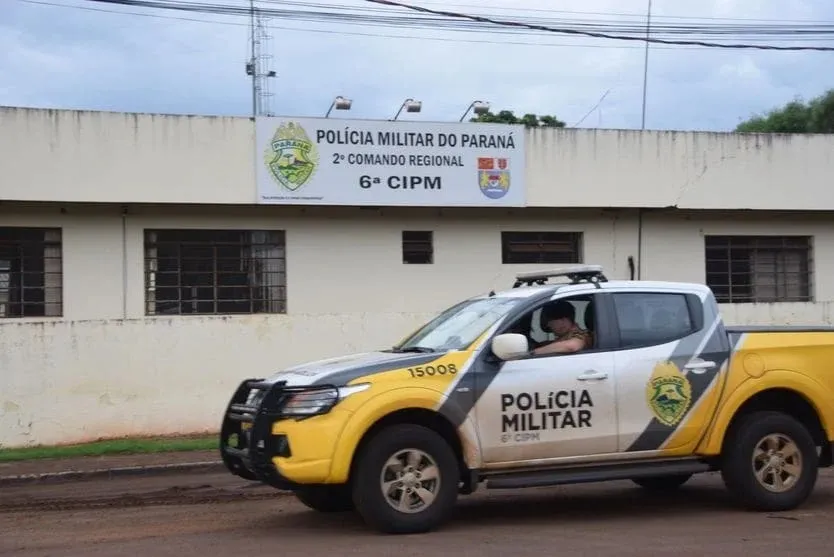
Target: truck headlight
[319, 401]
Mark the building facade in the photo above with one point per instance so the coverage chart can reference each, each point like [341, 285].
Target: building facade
[146, 269]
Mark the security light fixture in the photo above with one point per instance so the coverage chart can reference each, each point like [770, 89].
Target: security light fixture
[339, 103]
[410, 105]
[478, 107]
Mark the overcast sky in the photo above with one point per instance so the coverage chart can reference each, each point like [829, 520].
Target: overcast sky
[66, 57]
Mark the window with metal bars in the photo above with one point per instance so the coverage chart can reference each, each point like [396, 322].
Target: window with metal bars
[215, 272]
[541, 247]
[759, 269]
[418, 247]
[30, 272]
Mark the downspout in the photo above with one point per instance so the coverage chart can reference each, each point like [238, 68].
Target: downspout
[639, 243]
[124, 262]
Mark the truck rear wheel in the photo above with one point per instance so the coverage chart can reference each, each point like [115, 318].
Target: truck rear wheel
[326, 498]
[406, 480]
[769, 462]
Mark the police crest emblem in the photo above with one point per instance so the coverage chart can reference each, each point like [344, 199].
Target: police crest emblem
[494, 176]
[291, 157]
[668, 393]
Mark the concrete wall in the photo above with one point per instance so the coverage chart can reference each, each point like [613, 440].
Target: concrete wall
[104, 369]
[49, 155]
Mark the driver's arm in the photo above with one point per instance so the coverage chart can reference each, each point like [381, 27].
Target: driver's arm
[574, 344]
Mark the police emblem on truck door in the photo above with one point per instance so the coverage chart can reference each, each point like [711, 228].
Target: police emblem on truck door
[668, 393]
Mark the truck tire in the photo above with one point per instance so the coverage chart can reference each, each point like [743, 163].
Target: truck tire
[406, 480]
[662, 483]
[769, 462]
[326, 498]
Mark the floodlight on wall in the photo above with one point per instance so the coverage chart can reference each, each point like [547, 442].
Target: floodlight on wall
[410, 105]
[478, 107]
[339, 103]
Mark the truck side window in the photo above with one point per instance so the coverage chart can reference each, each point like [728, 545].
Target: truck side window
[652, 318]
[530, 323]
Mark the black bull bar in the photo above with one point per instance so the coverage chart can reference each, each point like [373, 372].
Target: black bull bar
[247, 445]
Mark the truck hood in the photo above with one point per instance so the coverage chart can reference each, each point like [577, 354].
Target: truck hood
[343, 369]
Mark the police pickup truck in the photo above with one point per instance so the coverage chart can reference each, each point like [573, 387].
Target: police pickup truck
[661, 391]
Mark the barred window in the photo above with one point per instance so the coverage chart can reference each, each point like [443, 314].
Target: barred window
[30, 272]
[540, 247]
[751, 269]
[417, 247]
[215, 272]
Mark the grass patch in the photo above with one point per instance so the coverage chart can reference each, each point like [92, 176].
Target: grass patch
[142, 445]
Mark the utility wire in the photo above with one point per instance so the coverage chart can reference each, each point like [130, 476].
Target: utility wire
[639, 15]
[595, 34]
[474, 23]
[336, 32]
[599, 102]
[346, 33]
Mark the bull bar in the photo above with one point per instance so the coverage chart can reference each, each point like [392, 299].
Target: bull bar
[247, 444]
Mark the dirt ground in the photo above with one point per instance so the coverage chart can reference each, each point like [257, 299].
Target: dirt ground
[87, 463]
[216, 514]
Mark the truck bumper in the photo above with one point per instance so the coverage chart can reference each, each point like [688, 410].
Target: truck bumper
[248, 446]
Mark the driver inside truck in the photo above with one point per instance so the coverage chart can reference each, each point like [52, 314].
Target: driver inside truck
[560, 318]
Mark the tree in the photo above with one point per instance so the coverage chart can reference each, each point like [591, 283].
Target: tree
[529, 120]
[815, 116]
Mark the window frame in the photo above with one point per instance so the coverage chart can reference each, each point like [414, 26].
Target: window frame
[754, 244]
[19, 239]
[213, 239]
[695, 310]
[605, 332]
[429, 241]
[574, 254]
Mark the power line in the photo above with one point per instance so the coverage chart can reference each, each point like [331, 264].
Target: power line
[479, 23]
[599, 102]
[595, 34]
[410, 22]
[638, 15]
[347, 33]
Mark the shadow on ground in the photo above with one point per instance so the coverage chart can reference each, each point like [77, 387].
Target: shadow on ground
[560, 505]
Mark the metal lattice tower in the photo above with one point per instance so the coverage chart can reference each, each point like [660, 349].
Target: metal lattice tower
[259, 61]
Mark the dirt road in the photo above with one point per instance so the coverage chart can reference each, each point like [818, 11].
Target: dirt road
[218, 514]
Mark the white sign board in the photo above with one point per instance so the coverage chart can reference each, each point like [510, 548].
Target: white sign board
[321, 161]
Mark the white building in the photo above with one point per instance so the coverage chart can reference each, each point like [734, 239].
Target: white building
[129, 243]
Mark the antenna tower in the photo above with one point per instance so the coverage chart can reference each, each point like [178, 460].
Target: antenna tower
[259, 61]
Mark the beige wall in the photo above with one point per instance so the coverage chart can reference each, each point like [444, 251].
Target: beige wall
[49, 155]
[105, 369]
[65, 155]
[687, 170]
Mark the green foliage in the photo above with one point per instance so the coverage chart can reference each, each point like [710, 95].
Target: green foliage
[815, 116]
[113, 447]
[529, 120]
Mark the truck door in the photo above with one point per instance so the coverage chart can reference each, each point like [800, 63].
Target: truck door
[549, 407]
[673, 348]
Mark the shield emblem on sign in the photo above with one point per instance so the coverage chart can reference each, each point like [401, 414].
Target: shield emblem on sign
[291, 157]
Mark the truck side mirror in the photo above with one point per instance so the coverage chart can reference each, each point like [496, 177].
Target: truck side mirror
[510, 346]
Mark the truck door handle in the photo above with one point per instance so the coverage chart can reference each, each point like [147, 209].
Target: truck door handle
[591, 375]
[699, 365]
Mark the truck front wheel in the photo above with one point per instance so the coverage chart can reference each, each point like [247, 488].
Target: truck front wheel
[769, 462]
[406, 480]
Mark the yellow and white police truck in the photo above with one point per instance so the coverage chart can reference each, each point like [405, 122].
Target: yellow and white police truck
[662, 390]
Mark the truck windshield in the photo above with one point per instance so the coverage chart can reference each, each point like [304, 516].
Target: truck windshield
[457, 327]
